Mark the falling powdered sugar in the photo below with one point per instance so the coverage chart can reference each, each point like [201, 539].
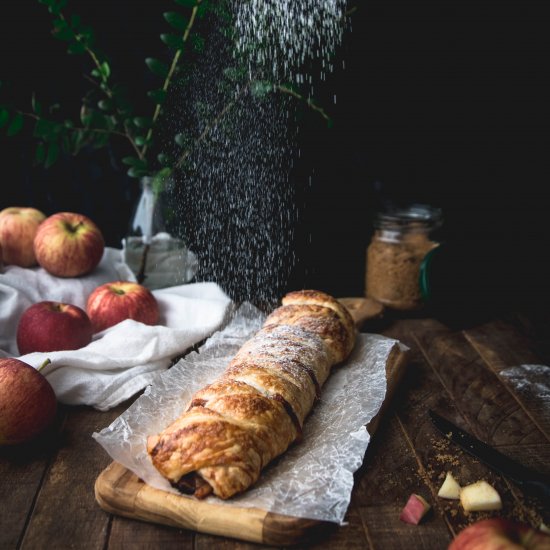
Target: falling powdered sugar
[234, 195]
[282, 36]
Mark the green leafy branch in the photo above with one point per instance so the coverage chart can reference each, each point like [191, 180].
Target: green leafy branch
[107, 112]
[112, 115]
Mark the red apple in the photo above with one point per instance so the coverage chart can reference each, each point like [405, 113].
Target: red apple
[500, 534]
[68, 244]
[27, 402]
[114, 302]
[18, 227]
[53, 326]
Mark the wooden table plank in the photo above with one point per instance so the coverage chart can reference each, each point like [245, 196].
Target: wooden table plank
[502, 347]
[22, 470]
[138, 535]
[66, 512]
[491, 411]
[387, 532]
[477, 400]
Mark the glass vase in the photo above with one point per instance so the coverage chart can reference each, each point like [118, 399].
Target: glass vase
[156, 257]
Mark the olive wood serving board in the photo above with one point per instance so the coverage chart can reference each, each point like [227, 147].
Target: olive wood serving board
[121, 492]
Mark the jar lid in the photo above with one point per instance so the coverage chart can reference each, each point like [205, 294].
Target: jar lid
[419, 215]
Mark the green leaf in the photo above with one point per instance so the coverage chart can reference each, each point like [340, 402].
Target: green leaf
[65, 142]
[202, 9]
[86, 34]
[105, 69]
[104, 104]
[179, 139]
[143, 122]
[85, 115]
[159, 180]
[135, 162]
[260, 88]
[76, 48]
[140, 140]
[100, 139]
[172, 40]
[75, 21]
[164, 159]
[157, 67]
[36, 106]
[61, 30]
[43, 128]
[176, 20]
[4, 116]
[186, 3]
[78, 139]
[158, 96]
[234, 73]
[52, 154]
[136, 172]
[40, 155]
[16, 125]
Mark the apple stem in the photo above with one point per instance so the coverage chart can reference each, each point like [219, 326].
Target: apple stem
[46, 362]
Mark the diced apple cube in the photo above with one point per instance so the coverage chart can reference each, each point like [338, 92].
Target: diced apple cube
[479, 496]
[450, 488]
[415, 509]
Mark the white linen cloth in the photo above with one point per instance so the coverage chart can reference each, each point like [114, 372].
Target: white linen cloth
[121, 360]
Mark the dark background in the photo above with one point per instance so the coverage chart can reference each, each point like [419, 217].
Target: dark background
[442, 102]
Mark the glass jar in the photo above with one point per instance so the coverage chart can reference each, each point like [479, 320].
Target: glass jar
[401, 240]
[156, 257]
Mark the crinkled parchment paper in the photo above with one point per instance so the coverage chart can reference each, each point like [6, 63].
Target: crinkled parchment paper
[314, 478]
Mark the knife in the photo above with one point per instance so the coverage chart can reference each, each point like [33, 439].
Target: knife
[532, 482]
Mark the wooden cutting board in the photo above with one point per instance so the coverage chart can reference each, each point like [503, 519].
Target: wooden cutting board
[119, 491]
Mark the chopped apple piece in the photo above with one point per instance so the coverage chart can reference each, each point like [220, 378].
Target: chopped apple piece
[479, 496]
[544, 528]
[450, 488]
[415, 509]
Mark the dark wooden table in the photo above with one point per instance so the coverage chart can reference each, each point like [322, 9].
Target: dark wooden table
[47, 487]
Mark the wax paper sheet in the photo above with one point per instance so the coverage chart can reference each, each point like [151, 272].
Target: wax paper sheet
[314, 478]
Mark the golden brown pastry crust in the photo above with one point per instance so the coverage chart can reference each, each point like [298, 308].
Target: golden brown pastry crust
[250, 415]
[319, 320]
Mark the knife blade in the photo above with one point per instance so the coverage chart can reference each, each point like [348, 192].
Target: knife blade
[531, 481]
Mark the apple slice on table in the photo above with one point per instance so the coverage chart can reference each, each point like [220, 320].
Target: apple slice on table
[114, 302]
[500, 534]
[68, 244]
[415, 509]
[18, 228]
[480, 497]
[450, 488]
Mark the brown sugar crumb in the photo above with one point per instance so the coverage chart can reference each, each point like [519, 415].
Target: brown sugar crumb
[393, 269]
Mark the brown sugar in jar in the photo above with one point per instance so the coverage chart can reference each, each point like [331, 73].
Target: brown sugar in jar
[401, 240]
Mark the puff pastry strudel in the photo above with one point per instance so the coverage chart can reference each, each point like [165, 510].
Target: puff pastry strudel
[255, 410]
